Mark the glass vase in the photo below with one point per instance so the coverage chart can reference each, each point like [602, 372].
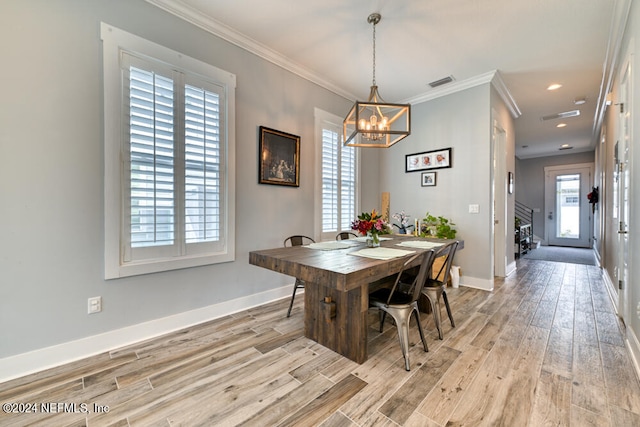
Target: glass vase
[373, 241]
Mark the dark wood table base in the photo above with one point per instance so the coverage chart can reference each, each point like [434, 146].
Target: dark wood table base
[337, 320]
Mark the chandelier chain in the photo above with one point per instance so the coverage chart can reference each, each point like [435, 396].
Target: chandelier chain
[374, 54]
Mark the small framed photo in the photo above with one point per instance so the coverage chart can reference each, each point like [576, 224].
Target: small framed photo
[279, 158]
[428, 179]
[437, 159]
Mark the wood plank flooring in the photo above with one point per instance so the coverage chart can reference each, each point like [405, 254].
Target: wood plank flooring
[545, 348]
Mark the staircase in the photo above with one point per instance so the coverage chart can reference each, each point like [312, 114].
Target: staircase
[524, 239]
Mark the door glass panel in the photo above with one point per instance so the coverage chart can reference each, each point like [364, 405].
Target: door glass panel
[568, 206]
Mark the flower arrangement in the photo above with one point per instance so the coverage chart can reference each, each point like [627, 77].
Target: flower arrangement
[371, 224]
[403, 219]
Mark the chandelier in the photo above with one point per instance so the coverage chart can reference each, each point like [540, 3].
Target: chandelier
[376, 123]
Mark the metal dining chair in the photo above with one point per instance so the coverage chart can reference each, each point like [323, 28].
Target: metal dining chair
[401, 303]
[345, 235]
[296, 240]
[436, 284]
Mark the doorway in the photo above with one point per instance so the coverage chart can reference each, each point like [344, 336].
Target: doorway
[568, 213]
[499, 188]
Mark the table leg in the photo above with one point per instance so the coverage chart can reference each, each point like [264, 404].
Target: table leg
[346, 333]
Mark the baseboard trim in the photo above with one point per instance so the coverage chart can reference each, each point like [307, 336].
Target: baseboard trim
[474, 282]
[633, 347]
[631, 340]
[49, 357]
[511, 268]
[611, 290]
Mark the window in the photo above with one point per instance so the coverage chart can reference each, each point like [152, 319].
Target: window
[168, 193]
[337, 190]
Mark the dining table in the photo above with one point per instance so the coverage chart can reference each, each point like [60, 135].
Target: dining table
[338, 276]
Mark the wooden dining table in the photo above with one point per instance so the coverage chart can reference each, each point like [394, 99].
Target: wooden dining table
[336, 297]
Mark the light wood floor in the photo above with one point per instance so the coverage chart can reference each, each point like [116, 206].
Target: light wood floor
[545, 348]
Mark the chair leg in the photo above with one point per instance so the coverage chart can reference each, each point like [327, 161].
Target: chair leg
[416, 312]
[293, 296]
[403, 335]
[446, 304]
[434, 300]
[382, 315]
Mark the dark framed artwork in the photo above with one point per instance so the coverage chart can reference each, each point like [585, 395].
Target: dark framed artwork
[436, 159]
[428, 179]
[279, 158]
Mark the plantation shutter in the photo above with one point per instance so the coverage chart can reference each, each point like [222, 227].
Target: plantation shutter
[175, 154]
[203, 164]
[347, 186]
[330, 180]
[338, 181]
[152, 158]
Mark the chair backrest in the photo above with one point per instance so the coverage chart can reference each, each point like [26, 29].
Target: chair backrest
[345, 235]
[415, 288]
[448, 251]
[298, 240]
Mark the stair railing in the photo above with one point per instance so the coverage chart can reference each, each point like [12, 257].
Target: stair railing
[524, 213]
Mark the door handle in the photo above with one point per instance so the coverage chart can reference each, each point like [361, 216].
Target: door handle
[550, 215]
[623, 232]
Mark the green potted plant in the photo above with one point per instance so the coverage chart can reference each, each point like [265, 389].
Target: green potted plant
[440, 227]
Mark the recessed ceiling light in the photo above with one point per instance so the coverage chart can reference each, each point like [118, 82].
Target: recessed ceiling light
[554, 86]
[580, 101]
[561, 125]
[565, 147]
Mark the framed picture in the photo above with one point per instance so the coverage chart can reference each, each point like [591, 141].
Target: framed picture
[279, 158]
[437, 159]
[428, 179]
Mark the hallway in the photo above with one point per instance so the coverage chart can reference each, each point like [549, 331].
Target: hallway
[544, 348]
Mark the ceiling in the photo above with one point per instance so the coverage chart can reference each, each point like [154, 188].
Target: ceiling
[532, 44]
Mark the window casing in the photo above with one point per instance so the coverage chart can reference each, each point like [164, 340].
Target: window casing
[169, 196]
[337, 190]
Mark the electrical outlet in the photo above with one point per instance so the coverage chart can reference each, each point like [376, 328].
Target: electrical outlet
[474, 209]
[94, 305]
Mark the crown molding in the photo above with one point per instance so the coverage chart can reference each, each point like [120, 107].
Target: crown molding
[217, 28]
[505, 94]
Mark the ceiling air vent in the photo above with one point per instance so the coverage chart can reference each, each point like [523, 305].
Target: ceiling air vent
[564, 115]
[441, 82]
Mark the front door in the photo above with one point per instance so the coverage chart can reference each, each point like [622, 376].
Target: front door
[568, 212]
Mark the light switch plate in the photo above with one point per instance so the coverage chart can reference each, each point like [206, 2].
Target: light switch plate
[474, 209]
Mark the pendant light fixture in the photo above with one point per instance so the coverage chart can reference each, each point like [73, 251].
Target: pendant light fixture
[376, 123]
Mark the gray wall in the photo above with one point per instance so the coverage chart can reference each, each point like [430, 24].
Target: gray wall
[460, 121]
[529, 182]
